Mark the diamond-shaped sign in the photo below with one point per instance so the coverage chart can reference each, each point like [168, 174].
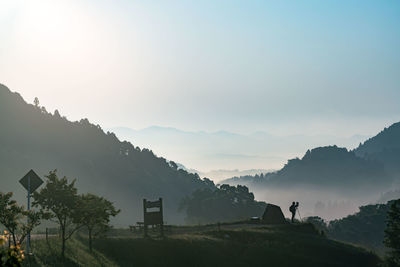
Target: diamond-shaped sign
[31, 179]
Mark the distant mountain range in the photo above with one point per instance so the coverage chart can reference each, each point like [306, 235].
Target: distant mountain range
[222, 150]
[32, 138]
[220, 175]
[333, 182]
[373, 165]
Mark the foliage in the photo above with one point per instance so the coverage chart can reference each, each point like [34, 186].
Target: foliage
[12, 256]
[16, 219]
[36, 102]
[392, 233]
[118, 170]
[366, 227]
[226, 203]
[325, 167]
[318, 223]
[94, 213]
[59, 201]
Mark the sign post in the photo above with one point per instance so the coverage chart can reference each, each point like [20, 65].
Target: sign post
[31, 181]
[153, 217]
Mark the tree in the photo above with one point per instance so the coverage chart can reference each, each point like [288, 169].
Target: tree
[173, 165]
[95, 213]
[57, 114]
[208, 182]
[14, 217]
[36, 102]
[59, 200]
[392, 233]
[226, 203]
[318, 223]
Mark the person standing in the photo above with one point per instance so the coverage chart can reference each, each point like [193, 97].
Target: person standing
[293, 209]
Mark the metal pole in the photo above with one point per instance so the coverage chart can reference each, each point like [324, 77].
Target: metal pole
[28, 241]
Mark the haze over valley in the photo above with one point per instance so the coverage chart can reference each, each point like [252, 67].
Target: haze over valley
[330, 181]
[199, 133]
[220, 151]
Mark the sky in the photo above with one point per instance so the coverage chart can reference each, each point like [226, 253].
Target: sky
[284, 67]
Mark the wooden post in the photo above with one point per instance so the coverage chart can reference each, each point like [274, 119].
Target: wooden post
[144, 215]
[162, 219]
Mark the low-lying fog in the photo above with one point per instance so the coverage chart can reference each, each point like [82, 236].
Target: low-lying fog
[322, 203]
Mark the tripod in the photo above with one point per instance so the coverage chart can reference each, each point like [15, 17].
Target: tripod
[298, 211]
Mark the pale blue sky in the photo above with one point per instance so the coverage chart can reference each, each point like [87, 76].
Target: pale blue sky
[279, 66]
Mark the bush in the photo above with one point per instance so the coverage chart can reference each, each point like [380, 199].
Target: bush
[12, 256]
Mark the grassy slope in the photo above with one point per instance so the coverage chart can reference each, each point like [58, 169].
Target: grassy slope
[235, 245]
[77, 254]
[273, 246]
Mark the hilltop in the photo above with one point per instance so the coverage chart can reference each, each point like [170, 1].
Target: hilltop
[324, 168]
[384, 147]
[373, 164]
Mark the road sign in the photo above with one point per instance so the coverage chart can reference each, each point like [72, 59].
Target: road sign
[31, 181]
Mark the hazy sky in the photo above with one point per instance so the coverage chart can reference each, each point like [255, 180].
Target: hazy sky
[279, 66]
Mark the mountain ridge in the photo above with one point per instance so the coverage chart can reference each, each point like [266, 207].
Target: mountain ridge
[32, 138]
[222, 149]
[384, 147]
[328, 166]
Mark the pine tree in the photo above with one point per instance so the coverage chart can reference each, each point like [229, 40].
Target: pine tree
[36, 102]
[392, 234]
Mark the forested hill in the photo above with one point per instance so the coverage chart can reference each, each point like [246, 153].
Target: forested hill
[31, 137]
[325, 167]
[365, 228]
[384, 147]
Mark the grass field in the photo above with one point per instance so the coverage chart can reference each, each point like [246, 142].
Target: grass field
[231, 245]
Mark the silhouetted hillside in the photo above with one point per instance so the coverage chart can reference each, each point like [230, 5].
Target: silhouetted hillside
[384, 147]
[325, 167]
[30, 137]
[365, 228]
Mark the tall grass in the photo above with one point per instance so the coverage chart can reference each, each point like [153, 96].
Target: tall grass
[77, 254]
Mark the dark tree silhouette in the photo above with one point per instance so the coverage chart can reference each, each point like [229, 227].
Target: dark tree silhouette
[14, 217]
[59, 200]
[228, 203]
[329, 167]
[94, 213]
[36, 102]
[392, 233]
